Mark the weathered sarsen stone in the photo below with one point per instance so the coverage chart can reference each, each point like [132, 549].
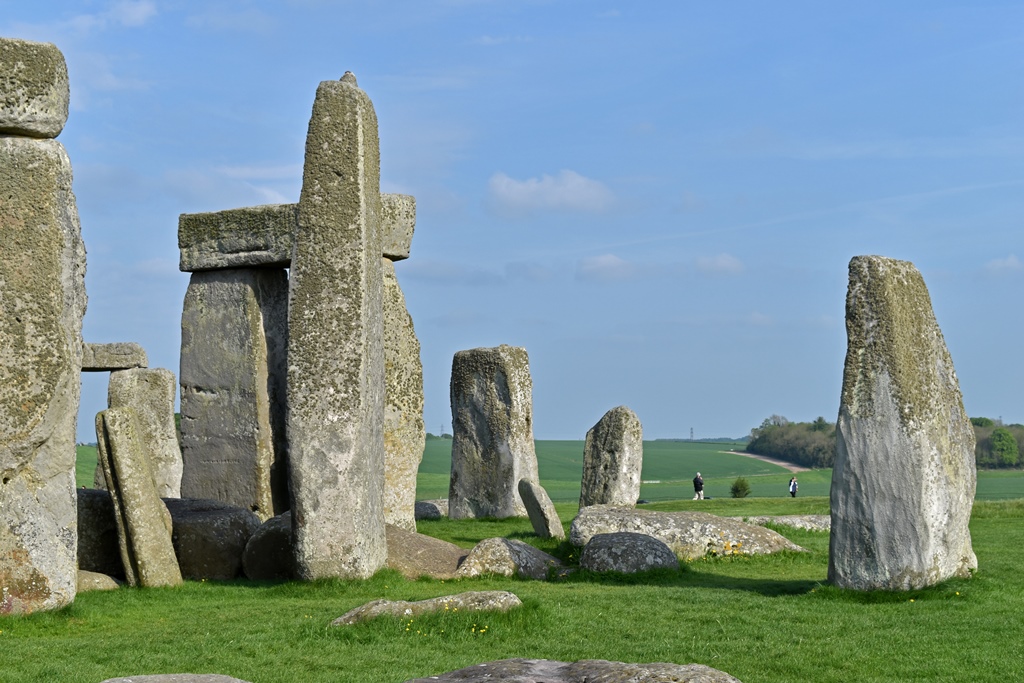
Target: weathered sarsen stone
[492, 429]
[471, 601]
[543, 515]
[335, 355]
[42, 301]
[583, 671]
[253, 236]
[115, 356]
[904, 476]
[613, 457]
[397, 222]
[150, 392]
[34, 90]
[234, 345]
[404, 432]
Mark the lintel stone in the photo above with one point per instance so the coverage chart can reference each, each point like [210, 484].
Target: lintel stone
[113, 357]
[34, 89]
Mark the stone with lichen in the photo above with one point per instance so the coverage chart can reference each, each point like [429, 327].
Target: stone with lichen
[34, 90]
[583, 671]
[470, 601]
[904, 477]
[613, 457]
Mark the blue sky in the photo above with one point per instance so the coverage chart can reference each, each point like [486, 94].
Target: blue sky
[657, 199]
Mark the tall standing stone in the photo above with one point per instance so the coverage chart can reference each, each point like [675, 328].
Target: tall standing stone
[234, 343]
[42, 301]
[404, 431]
[150, 392]
[613, 457]
[335, 355]
[492, 430]
[904, 476]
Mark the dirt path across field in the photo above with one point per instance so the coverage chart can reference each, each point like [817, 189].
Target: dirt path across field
[781, 463]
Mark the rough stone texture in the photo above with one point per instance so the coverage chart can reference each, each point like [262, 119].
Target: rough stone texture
[42, 301]
[269, 554]
[904, 476]
[404, 432]
[97, 534]
[583, 671]
[176, 678]
[541, 510]
[234, 346]
[116, 356]
[335, 355]
[34, 89]
[492, 429]
[805, 522]
[150, 393]
[432, 509]
[397, 223]
[508, 557]
[690, 535]
[470, 601]
[417, 555]
[612, 459]
[627, 552]
[238, 238]
[94, 581]
[209, 537]
[143, 522]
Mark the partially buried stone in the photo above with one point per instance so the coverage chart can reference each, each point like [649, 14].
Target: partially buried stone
[542, 512]
[209, 537]
[432, 509]
[583, 671]
[471, 601]
[904, 477]
[176, 678]
[150, 393]
[94, 581]
[417, 555]
[508, 557]
[34, 90]
[613, 457]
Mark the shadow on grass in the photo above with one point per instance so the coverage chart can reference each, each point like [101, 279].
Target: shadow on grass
[686, 578]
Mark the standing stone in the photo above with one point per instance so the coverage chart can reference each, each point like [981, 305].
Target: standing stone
[542, 512]
[904, 477]
[143, 522]
[405, 434]
[150, 392]
[234, 344]
[612, 460]
[42, 301]
[335, 354]
[492, 429]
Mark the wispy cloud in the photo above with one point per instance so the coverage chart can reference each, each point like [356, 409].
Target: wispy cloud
[489, 41]
[132, 12]
[449, 273]
[605, 268]
[256, 172]
[201, 190]
[567, 191]
[221, 18]
[1000, 266]
[723, 264]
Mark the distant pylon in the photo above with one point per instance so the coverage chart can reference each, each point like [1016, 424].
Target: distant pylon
[691, 433]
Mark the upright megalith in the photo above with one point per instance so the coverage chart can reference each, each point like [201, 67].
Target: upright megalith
[234, 344]
[335, 354]
[904, 476]
[613, 457]
[150, 392]
[492, 429]
[42, 301]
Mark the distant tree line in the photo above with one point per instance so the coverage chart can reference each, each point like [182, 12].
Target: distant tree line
[813, 444]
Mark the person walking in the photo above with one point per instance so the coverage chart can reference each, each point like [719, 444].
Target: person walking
[698, 487]
[793, 487]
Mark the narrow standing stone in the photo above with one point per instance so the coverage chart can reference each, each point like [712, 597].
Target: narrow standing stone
[234, 343]
[492, 429]
[613, 458]
[335, 355]
[904, 477]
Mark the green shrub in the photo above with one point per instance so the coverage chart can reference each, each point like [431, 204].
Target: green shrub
[982, 421]
[1004, 447]
[740, 488]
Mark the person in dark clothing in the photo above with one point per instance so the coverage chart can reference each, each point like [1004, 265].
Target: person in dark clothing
[698, 487]
[793, 487]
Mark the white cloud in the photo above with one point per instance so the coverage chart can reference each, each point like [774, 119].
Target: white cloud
[132, 13]
[998, 266]
[723, 264]
[220, 19]
[604, 268]
[567, 191]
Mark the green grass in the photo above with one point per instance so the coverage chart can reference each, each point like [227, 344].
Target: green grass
[764, 619]
[85, 465]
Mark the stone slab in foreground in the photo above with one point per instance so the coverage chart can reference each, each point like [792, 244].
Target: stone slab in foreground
[583, 671]
[690, 535]
[471, 601]
[176, 678]
[150, 393]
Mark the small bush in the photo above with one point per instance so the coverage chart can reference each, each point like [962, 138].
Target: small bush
[740, 488]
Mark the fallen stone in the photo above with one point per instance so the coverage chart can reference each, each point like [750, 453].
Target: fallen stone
[94, 581]
[34, 89]
[143, 523]
[540, 509]
[805, 522]
[150, 393]
[508, 557]
[234, 345]
[627, 553]
[254, 236]
[904, 477]
[492, 428]
[690, 535]
[583, 671]
[97, 534]
[335, 358]
[417, 555]
[471, 601]
[613, 457]
[42, 301]
[110, 357]
[404, 432]
[397, 223]
[432, 509]
[209, 537]
[176, 678]
[269, 553]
